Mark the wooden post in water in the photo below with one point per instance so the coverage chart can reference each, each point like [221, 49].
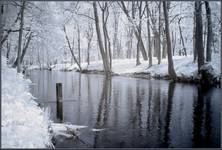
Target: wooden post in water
[59, 101]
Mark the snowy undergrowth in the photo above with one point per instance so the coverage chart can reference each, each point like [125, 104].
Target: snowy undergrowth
[24, 124]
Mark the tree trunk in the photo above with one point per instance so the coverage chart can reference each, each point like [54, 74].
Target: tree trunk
[174, 42]
[199, 35]
[89, 36]
[23, 51]
[1, 28]
[79, 57]
[159, 40]
[139, 32]
[109, 50]
[104, 32]
[135, 28]
[129, 42]
[149, 39]
[1, 21]
[8, 50]
[171, 70]
[164, 47]
[105, 15]
[194, 37]
[115, 36]
[209, 32]
[138, 54]
[156, 45]
[88, 47]
[5, 37]
[88, 50]
[102, 51]
[20, 36]
[204, 34]
[71, 50]
[181, 37]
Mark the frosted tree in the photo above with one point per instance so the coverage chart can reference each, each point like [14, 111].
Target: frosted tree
[105, 59]
[171, 70]
[199, 34]
[209, 32]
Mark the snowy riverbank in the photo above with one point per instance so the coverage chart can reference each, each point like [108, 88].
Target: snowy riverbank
[184, 67]
[24, 124]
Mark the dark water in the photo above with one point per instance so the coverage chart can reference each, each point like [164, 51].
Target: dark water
[135, 112]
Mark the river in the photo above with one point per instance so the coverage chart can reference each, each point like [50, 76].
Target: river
[134, 112]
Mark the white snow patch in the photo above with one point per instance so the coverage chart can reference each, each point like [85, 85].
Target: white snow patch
[33, 67]
[24, 124]
[66, 130]
[97, 130]
[64, 127]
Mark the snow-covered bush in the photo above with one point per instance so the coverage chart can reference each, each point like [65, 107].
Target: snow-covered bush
[24, 124]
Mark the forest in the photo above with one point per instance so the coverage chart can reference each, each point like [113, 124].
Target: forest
[43, 34]
[118, 72]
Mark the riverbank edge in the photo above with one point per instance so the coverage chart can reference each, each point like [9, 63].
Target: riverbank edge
[143, 75]
[146, 75]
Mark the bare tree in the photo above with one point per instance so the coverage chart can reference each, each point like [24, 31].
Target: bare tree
[8, 49]
[1, 23]
[71, 49]
[209, 32]
[116, 53]
[171, 70]
[156, 39]
[149, 38]
[105, 14]
[129, 42]
[181, 37]
[10, 30]
[25, 47]
[174, 40]
[79, 46]
[164, 51]
[105, 59]
[139, 3]
[89, 36]
[130, 33]
[194, 36]
[136, 31]
[199, 34]
[20, 36]
[159, 40]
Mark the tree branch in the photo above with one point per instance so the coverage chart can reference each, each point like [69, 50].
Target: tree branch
[70, 48]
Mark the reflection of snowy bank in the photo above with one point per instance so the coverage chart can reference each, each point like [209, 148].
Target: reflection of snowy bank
[24, 124]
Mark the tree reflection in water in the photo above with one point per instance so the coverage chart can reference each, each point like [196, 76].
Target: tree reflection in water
[134, 112]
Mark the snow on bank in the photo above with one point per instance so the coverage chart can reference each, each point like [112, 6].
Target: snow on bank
[33, 67]
[24, 124]
[183, 66]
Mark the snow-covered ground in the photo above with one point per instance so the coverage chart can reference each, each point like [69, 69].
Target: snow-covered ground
[183, 66]
[24, 124]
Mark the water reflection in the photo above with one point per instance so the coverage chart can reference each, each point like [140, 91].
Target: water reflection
[168, 113]
[134, 112]
[103, 109]
[202, 119]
